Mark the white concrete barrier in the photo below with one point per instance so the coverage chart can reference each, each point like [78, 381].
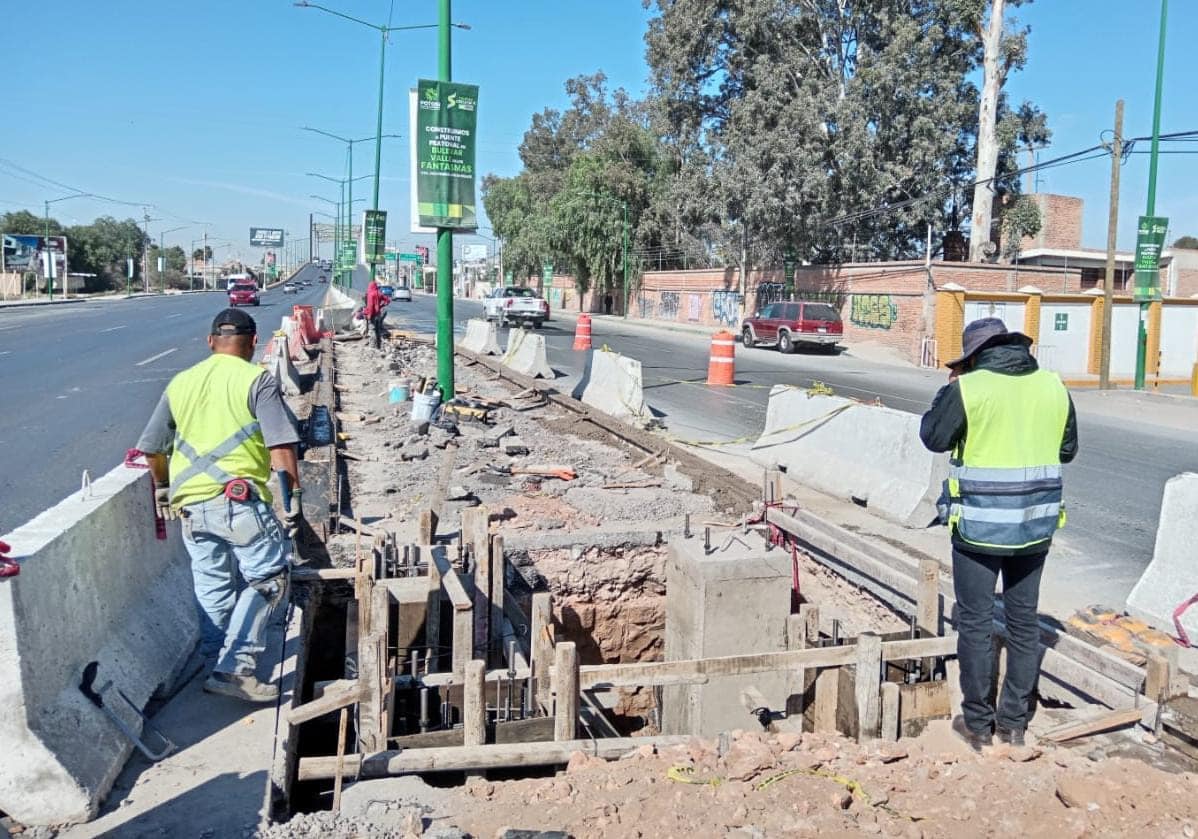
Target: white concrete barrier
[1172, 577]
[613, 383]
[278, 363]
[481, 337]
[95, 585]
[525, 354]
[338, 310]
[854, 451]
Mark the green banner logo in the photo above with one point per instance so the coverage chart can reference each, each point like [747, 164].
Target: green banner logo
[446, 121]
[1150, 238]
[376, 235]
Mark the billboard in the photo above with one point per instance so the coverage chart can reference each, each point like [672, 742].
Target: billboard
[474, 253]
[446, 123]
[266, 237]
[374, 226]
[23, 253]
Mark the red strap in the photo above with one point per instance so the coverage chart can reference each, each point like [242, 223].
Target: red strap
[1181, 633]
[8, 567]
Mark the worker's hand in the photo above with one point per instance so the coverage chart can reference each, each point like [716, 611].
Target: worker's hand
[293, 515]
[162, 502]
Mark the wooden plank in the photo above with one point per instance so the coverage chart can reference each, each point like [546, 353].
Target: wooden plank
[455, 589]
[868, 685]
[796, 679]
[1105, 721]
[370, 667]
[531, 730]
[437, 680]
[647, 673]
[475, 537]
[309, 575]
[406, 590]
[427, 528]
[342, 725]
[498, 582]
[330, 700]
[463, 639]
[565, 689]
[827, 698]
[890, 711]
[474, 704]
[542, 646]
[474, 758]
[1156, 678]
[432, 609]
[350, 670]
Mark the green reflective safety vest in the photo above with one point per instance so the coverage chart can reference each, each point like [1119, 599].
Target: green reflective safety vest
[217, 439]
[1004, 487]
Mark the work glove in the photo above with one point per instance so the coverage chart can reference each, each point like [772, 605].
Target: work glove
[8, 567]
[162, 502]
[293, 514]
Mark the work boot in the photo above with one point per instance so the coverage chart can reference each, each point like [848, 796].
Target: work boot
[1010, 736]
[974, 740]
[246, 688]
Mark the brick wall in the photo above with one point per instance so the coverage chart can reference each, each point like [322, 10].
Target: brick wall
[1185, 268]
[1060, 222]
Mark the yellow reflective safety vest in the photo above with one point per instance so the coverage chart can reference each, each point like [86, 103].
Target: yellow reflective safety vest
[1004, 486]
[217, 439]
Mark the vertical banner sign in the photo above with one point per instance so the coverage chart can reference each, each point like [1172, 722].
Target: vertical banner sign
[375, 227]
[446, 117]
[546, 275]
[788, 271]
[1150, 237]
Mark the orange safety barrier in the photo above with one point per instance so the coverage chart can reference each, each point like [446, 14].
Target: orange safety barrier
[722, 366]
[582, 333]
[307, 322]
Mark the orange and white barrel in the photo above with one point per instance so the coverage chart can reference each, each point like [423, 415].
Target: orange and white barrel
[582, 333]
[722, 366]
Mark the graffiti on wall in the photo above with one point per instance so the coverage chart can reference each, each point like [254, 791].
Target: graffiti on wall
[874, 311]
[695, 310]
[668, 309]
[768, 293]
[725, 307]
[645, 307]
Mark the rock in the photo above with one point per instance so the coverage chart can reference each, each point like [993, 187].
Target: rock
[514, 446]
[842, 799]
[419, 429]
[420, 454]
[892, 754]
[410, 821]
[676, 480]
[747, 757]
[789, 741]
[580, 761]
[551, 524]
[1073, 791]
[647, 750]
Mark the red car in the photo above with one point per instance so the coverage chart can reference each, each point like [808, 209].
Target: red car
[786, 325]
[243, 294]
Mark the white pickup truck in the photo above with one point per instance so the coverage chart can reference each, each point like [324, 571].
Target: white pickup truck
[513, 304]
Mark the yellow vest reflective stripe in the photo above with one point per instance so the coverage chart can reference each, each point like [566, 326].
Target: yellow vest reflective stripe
[217, 439]
[1005, 488]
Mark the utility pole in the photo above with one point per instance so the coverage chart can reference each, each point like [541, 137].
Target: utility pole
[1108, 287]
[145, 255]
[444, 234]
[1142, 336]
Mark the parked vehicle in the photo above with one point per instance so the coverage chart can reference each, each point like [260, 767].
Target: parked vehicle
[402, 292]
[513, 304]
[244, 294]
[786, 325]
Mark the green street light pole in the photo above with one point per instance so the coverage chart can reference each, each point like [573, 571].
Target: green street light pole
[445, 234]
[1142, 335]
[349, 210]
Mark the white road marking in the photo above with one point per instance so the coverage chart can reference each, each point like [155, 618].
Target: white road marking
[176, 315]
[156, 357]
[6, 352]
[115, 328]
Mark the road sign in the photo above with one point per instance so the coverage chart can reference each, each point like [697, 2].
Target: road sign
[446, 121]
[546, 274]
[1150, 237]
[266, 237]
[375, 227]
[392, 256]
[410, 257]
[423, 251]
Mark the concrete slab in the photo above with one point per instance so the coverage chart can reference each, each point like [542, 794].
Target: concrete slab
[1172, 577]
[95, 585]
[733, 601]
[865, 453]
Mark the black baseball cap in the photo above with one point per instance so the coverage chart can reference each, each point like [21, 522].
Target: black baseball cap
[234, 322]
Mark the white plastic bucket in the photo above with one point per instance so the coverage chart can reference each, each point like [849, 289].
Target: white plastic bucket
[423, 405]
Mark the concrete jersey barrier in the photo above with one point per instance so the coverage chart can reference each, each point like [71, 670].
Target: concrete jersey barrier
[481, 337]
[1172, 578]
[525, 354]
[337, 313]
[278, 363]
[613, 383]
[95, 585]
[850, 450]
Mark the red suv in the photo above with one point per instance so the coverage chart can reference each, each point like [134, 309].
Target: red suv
[243, 294]
[786, 325]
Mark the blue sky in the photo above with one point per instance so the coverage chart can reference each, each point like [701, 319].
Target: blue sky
[196, 107]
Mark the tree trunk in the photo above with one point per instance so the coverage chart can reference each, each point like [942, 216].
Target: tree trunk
[983, 193]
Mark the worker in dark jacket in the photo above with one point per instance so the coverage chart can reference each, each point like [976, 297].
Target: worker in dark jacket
[1009, 426]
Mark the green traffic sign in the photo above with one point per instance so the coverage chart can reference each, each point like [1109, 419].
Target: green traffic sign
[1150, 238]
[410, 257]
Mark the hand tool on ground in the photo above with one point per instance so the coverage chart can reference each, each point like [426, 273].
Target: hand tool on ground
[544, 470]
[96, 697]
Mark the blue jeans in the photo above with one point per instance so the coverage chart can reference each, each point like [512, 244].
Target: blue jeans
[974, 579]
[239, 564]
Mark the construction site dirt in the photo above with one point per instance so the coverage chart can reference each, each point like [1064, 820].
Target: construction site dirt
[585, 517]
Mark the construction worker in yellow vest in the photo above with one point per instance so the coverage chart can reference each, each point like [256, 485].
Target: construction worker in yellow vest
[225, 427]
[1009, 426]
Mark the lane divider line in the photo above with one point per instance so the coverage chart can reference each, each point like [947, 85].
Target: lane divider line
[115, 328]
[162, 354]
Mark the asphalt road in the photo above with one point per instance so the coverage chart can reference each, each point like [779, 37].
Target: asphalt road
[79, 380]
[1113, 488]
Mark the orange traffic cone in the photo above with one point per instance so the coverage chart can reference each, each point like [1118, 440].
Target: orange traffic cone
[722, 366]
[582, 334]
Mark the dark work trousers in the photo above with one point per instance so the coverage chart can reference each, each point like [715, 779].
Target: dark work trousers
[974, 578]
[377, 323]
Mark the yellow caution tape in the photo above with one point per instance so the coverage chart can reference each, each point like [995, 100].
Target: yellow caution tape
[852, 786]
[753, 437]
[686, 775]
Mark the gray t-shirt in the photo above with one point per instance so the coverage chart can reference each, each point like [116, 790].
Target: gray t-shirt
[265, 402]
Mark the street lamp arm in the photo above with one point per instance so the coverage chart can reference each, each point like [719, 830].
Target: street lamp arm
[304, 4]
[326, 133]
